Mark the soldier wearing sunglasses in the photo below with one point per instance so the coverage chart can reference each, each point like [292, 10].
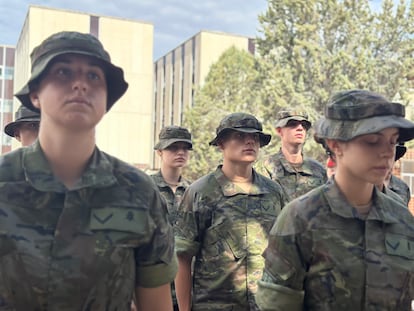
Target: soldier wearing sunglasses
[296, 173]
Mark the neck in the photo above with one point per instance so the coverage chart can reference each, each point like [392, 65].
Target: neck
[238, 172]
[171, 175]
[292, 153]
[68, 155]
[357, 192]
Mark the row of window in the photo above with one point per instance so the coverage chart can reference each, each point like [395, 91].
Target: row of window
[6, 73]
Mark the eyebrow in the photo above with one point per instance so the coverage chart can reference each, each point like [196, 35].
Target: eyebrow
[67, 60]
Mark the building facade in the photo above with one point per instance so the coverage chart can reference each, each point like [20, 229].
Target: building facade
[125, 132]
[180, 72]
[6, 93]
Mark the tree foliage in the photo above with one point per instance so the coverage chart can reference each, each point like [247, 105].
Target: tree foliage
[307, 50]
[230, 86]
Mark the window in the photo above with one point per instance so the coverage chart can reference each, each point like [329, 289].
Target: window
[6, 73]
[407, 173]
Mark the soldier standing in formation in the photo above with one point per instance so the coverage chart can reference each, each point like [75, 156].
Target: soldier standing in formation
[25, 127]
[80, 229]
[346, 245]
[296, 173]
[224, 221]
[173, 148]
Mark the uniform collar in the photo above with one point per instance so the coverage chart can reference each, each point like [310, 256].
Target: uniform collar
[381, 210]
[38, 172]
[231, 189]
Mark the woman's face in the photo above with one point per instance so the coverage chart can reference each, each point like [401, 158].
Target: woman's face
[368, 157]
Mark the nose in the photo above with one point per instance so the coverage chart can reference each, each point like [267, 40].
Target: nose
[80, 81]
[251, 138]
[388, 150]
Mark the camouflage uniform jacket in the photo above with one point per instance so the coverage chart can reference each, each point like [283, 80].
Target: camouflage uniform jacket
[226, 230]
[295, 182]
[323, 256]
[81, 249]
[173, 199]
[401, 188]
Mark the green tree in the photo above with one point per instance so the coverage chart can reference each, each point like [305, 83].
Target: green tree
[231, 86]
[312, 48]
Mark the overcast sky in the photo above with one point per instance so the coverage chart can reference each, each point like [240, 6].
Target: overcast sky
[174, 21]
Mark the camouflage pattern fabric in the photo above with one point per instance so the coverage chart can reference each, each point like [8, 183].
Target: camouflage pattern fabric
[81, 249]
[226, 230]
[173, 201]
[349, 114]
[401, 188]
[323, 256]
[294, 181]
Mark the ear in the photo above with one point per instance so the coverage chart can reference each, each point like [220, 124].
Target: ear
[159, 152]
[279, 131]
[17, 135]
[34, 98]
[335, 146]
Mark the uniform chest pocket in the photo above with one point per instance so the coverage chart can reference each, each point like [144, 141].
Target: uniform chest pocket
[120, 227]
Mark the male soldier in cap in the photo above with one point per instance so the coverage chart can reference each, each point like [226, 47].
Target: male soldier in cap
[346, 245]
[223, 223]
[297, 174]
[173, 147]
[25, 126]
[80, 229]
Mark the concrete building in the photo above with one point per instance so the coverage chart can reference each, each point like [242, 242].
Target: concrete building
[6, 93]
[181, 71]
[125, 132]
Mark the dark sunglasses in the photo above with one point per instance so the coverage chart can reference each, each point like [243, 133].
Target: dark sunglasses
[295, 123]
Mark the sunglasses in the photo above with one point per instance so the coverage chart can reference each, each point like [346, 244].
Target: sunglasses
[295, 123]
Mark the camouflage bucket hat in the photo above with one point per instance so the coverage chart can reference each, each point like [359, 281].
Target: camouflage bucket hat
[173, 134]
[241, 122]
[22, 115]
[349, 114]
[77, 43]
[284, 116]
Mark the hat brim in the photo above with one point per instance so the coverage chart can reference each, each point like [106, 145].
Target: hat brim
[283, 122]
[116, 84]
[347, 130]
[165, 143]
[264, 138]
[10, 128]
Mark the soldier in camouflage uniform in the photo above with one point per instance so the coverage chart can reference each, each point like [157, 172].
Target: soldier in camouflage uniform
[173, 148]
[25, 126]
[296, 173]
[345, 245]
[79, 229]
[224, 221]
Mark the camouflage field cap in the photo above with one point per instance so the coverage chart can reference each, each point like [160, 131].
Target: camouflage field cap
[242, 122]
[78, 43]
[21, 115]
[349, 114]
[173, 134]
[284, 116]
